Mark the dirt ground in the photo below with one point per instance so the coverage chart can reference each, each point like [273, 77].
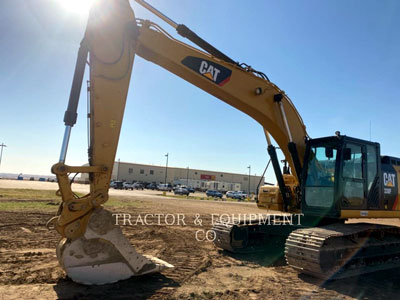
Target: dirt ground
[29, 268]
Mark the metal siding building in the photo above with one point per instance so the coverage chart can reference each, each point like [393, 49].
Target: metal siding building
[150, 173]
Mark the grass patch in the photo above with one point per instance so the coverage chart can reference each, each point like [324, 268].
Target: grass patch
[28, 199]
[27, 194]
[120, 202]
[183, 197]
[203, 198]
[192, 197]
[28, 205]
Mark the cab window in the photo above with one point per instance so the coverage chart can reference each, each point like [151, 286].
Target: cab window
[353, 183]
[352, 168]
[319, 191]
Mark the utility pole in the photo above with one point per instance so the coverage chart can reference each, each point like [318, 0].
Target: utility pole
[187, 177]
[1, 153]
[118, 169]
[249, 167]
[254, 185]
[166, 169]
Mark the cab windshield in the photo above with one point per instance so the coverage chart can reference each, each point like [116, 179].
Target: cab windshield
[320, 181]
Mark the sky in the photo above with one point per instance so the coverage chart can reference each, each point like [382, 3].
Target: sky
[337, 60]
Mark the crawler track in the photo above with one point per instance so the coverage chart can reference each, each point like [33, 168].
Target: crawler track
[343, 250]
[251, 236]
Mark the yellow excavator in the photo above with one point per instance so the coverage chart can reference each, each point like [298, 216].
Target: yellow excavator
[329, 180]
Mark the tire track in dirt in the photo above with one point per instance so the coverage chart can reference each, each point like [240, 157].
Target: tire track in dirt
[27, 249]
[28, 263]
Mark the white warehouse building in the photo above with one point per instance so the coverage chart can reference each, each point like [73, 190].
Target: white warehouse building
[201, 179]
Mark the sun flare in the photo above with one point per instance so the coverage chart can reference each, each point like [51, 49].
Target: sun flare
[77, 6]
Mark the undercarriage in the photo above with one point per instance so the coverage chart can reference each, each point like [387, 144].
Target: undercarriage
[328, 251]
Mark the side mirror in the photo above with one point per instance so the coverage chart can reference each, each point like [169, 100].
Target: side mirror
[329, 152]
[347, 153]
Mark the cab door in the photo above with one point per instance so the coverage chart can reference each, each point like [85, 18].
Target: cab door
[353, 179]
[372, 176]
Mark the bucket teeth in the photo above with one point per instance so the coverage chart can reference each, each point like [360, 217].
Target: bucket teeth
[104, 255]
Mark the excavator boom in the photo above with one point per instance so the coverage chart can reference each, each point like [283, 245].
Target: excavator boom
[93, 249]
[237, 86]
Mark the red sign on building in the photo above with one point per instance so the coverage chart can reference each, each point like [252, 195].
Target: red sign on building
[207, 177]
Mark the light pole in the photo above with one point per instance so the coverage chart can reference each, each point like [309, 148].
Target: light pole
[249, 167]
[254, 182]
[1, 153]
[187, 177]
[166, 168]
[119, 161]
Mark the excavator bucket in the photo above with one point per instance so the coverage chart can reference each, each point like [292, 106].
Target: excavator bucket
[103, 254]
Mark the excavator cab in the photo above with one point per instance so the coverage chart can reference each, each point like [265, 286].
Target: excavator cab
[340, 173]
[346, 178]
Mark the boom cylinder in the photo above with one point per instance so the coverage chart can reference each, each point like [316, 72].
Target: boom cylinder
[296, 161]
[279, 176]
[71, 114]
[291, 145]
[185, 32]
[278, 99]
[157, 13]
[64, 146]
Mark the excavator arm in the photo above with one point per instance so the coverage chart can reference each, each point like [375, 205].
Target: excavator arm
[112, 39]
[237, 86]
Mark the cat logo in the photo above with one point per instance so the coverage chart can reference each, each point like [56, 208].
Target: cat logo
[389, 179]
[209, 69]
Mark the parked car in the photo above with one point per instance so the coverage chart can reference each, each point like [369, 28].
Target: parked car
[151, 186]
[137, 186]
[191, 190]
[240, 195]
[118, 185]
[213, 193]
[127, 185]
[181, 191]
[230, 194]
[164, 187]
